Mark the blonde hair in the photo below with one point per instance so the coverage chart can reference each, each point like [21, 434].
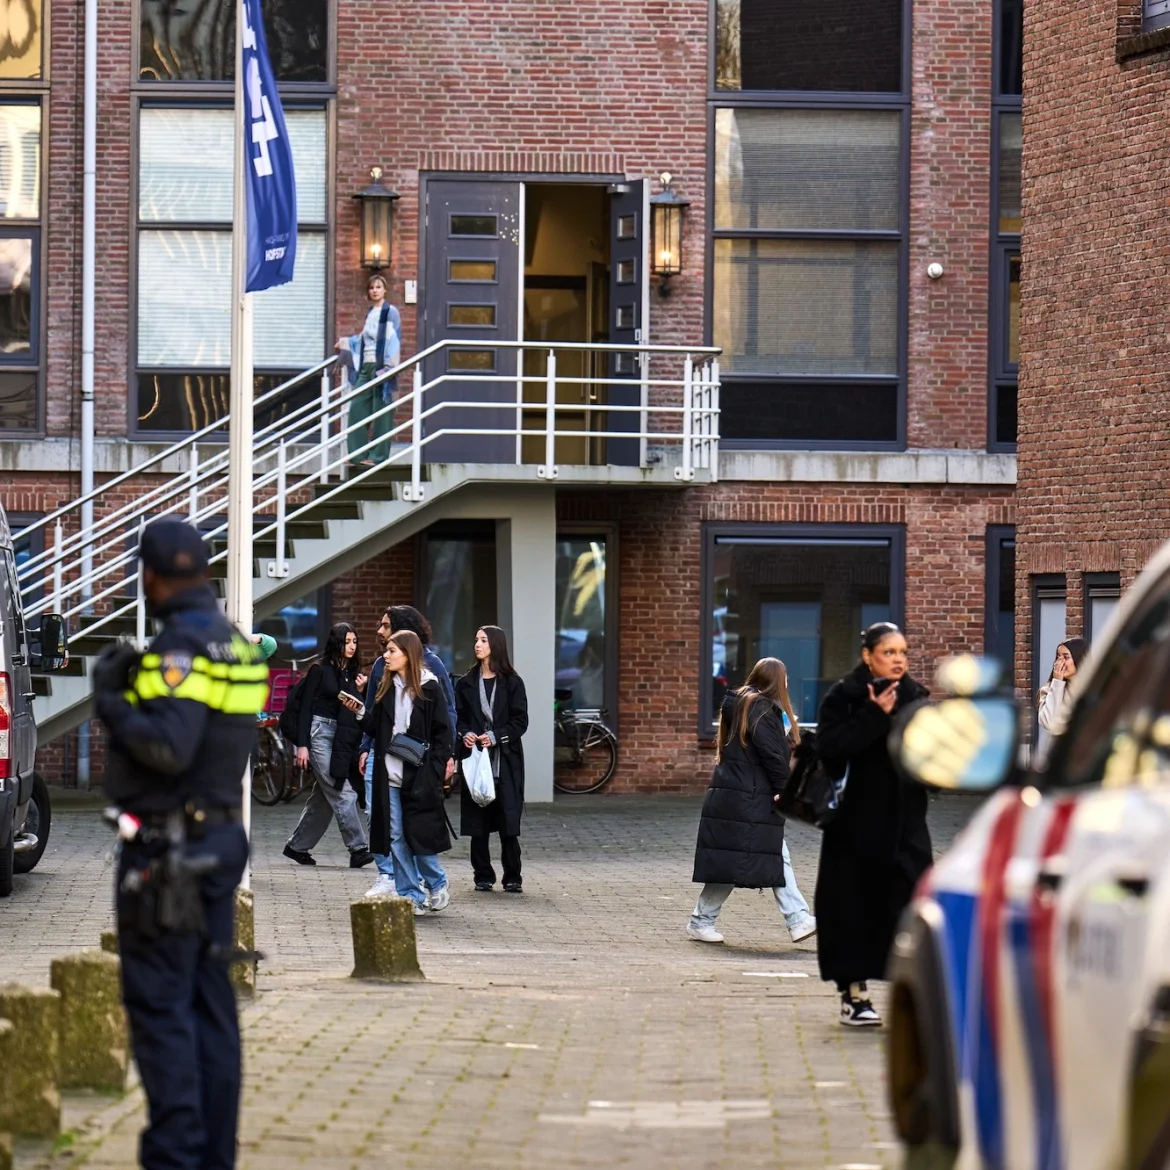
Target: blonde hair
[768, 680]
[411, 645]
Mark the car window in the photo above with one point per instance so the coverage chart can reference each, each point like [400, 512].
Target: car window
[1112, 719]
[14, 596]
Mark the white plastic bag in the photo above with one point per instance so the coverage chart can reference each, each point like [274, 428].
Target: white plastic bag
[477, 771]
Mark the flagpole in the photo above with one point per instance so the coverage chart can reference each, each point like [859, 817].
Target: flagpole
[240, 502]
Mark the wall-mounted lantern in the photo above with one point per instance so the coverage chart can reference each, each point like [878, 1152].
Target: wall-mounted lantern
[667, 210]
[377, 204]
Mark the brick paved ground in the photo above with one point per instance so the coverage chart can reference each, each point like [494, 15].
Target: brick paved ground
[572, 1026]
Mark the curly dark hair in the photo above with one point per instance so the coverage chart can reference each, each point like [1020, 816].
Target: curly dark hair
[406, 617]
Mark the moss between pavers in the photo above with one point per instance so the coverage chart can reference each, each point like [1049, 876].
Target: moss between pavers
[32, 1107]
[109, 942]
[92, 1032]
[383, 940]
[6, 1031]
[243, 974]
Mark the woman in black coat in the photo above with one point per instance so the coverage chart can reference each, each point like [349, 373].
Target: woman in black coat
[492, 685]
[741, 831]
[878, 845]
[407, 818]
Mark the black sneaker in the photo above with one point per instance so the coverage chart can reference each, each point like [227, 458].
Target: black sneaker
[485, 887]
[513, 887]
[299, 857]
[359, 857]
[858, 1013]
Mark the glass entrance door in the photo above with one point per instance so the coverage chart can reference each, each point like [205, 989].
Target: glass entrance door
[586, 658]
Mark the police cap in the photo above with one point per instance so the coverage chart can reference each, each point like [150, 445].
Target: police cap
[172, 548]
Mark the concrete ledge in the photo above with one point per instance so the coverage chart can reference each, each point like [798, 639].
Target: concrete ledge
[900, 467]
[383, 940]
[33, 1105]
[243, 974]
[94, 1045]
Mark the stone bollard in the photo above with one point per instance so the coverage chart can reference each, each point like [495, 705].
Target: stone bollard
[243, 974]
[92, 1031]
[109, 942]
[383, 940]
[33, 1105]
[6, 1031]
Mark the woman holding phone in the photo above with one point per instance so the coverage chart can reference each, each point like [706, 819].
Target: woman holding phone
[1054, 701]
[878, 846]
[327, 742]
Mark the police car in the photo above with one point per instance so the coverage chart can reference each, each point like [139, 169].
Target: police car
[1030, 1015]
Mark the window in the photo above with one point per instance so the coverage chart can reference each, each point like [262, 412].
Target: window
[1000, 610]
[1006, 196]
[584, 620]
[458, 585]
[197, 42]
[1155, 14]
[1048, 625]
[801, 593]
[1102, 597]
[28, 545]
[809, 218]
[184, 266]
[22, 40]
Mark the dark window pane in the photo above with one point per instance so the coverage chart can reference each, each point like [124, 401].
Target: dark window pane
[1013, 310]
[1010, 74]
[818, 307]
[197, 41]
[778, 411]
[795, 169]
[177, 401]
[473, 225]
[1010, 153]
[459, 587]
[1005, 413]
[18, 400]
[799, 44]
[16, 298]
[802, 601]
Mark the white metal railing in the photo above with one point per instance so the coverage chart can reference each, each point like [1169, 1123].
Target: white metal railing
[88, 573]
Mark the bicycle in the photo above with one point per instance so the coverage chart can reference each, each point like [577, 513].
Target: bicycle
[584, 748]
[270, 763]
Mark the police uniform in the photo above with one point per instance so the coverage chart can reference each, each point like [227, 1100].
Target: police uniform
[182, 722]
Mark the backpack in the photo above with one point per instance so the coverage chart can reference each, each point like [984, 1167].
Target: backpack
[290, 718]
[812, 795]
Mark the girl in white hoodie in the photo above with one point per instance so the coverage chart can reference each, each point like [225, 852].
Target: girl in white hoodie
[1055, 699]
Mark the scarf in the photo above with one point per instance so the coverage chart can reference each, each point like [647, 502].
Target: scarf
[403, 709]
[486, 708]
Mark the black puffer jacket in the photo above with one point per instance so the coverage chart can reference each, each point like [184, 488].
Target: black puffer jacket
[741, 831]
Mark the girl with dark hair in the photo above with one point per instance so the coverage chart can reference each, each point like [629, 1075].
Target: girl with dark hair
[491, 707]
[327, 741]
[878, 846]
[741, 832]
[407, 820]
[1055, 701]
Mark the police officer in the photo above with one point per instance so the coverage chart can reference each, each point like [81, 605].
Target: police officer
[182, 720]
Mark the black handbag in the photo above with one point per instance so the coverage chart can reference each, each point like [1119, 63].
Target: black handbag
[813, 794]
[408, 749]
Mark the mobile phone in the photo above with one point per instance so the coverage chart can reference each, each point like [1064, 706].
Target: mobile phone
[882, 684]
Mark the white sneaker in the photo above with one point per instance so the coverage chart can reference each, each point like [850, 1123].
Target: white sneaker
[420, 909]
[704, 933]
[439, 900]
[382, 888]
[857, 1010]
[805, 928]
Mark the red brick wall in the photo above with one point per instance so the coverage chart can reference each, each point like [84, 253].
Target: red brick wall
[363, 596]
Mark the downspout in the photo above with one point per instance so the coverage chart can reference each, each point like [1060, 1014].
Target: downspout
[88, 281]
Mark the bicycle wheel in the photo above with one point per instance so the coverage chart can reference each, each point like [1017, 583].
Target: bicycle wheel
[584, 757]
[269, 771]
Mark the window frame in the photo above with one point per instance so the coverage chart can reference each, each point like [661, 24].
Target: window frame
[1045, 587]
[218, 95]
[993, 566]
[1155, 22]
[1106, 586]
[816, 100]
[712, 531]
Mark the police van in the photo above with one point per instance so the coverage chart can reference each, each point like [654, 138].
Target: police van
[24, 798]
[1030, 1015]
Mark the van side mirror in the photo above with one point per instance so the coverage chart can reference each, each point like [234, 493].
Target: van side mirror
[54, 649]
[965, 744]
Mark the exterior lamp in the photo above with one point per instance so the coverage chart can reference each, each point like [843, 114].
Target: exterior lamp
[666, 209]
[377, 203]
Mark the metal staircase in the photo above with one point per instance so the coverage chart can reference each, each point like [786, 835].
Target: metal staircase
[316, 515]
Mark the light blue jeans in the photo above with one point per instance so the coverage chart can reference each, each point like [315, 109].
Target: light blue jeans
[384, 863]
[789, 899]
[412, 872]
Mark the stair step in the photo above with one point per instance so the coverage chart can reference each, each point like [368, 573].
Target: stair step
[75, 668]
[337, 509]
[42, 685]
[91, 644]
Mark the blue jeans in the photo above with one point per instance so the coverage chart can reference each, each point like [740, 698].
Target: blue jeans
[411, 871]
[789, 899]
[384, 863]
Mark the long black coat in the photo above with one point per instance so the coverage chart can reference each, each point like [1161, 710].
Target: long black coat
[510, 722]
[741, 831]
[424, 823]
[878, 846]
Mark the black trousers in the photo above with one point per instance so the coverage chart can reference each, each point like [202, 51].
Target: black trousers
[183, 1022]
[481, 858]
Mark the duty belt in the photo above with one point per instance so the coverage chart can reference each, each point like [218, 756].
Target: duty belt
[205, 818]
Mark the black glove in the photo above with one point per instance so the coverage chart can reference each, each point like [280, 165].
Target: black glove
[112, 670]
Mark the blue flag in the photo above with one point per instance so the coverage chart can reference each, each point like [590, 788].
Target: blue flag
[268, 165]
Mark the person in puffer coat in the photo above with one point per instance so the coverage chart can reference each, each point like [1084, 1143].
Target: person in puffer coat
[741, 832]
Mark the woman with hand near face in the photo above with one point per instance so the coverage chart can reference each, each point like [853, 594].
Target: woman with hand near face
[878, 846]
[1054, 700]
[491, 708]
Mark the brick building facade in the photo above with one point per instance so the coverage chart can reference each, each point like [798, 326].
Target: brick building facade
[868, 431]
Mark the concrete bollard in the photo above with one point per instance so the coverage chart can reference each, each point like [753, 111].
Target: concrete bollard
[33, 1105]
[383, 940]
[92, 1032]
[109, 942]
[243, 974]
[6, 1031]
